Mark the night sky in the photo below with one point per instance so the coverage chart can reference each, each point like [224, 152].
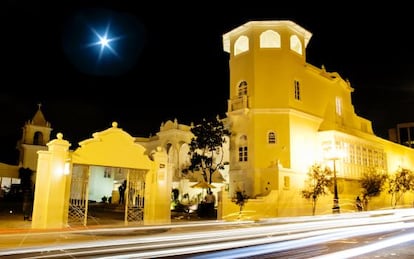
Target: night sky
[168, 62]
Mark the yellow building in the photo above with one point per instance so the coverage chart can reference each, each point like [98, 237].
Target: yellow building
[284, 115]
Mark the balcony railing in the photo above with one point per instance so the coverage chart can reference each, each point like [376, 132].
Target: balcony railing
[238, 103]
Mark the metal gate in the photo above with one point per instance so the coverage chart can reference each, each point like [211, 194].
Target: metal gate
[78, 203]
[135, 196]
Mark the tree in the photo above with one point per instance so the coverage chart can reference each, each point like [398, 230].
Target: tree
[240, 199]
[206, 148]
[401, 182]
[319, 178]
[372, 183]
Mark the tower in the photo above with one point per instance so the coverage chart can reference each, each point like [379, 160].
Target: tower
[278, 105]
[35, 136]
[265, 57]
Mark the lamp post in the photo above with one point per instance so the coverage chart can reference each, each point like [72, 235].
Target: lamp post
[334, 155]
[335, 207]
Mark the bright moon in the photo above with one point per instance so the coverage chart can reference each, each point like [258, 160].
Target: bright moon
[104, 42]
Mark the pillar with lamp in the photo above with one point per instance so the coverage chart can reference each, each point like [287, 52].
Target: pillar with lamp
[334, 154]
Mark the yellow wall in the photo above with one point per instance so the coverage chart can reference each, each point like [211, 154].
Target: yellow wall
[324, 113]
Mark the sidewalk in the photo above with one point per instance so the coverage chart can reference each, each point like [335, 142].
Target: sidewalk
[17, 233]
[12, 221]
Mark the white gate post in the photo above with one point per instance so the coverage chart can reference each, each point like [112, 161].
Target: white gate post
[158, 191]
[51, 189]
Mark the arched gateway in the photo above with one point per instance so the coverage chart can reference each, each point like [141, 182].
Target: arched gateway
[65, 179]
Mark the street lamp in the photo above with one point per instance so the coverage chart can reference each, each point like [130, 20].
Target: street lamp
[335, 155]
[335, 207]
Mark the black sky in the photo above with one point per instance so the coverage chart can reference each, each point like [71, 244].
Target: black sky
[181, 70]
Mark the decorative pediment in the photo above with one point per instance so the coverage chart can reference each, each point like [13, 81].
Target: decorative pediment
[112, 147]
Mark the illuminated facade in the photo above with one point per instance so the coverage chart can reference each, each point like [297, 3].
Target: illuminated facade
[286, 114]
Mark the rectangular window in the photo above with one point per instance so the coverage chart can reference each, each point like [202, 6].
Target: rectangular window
[352, 154]
[375, 157]
[364, 157]
[358, 155]
[370, 158]
[338, 106]
[242, 154]
[271, 138]
[297, 90]
[345, 152]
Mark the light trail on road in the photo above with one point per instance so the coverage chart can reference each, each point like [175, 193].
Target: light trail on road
[252, 239]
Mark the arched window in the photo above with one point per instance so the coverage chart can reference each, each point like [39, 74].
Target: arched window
[269, 39]
[243, 149]
[38, 138]
[295, 44]
[271, 137]
[242, 88]
[241, 45]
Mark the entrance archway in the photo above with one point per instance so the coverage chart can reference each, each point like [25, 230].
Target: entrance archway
[99, 166]
[64, 179]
